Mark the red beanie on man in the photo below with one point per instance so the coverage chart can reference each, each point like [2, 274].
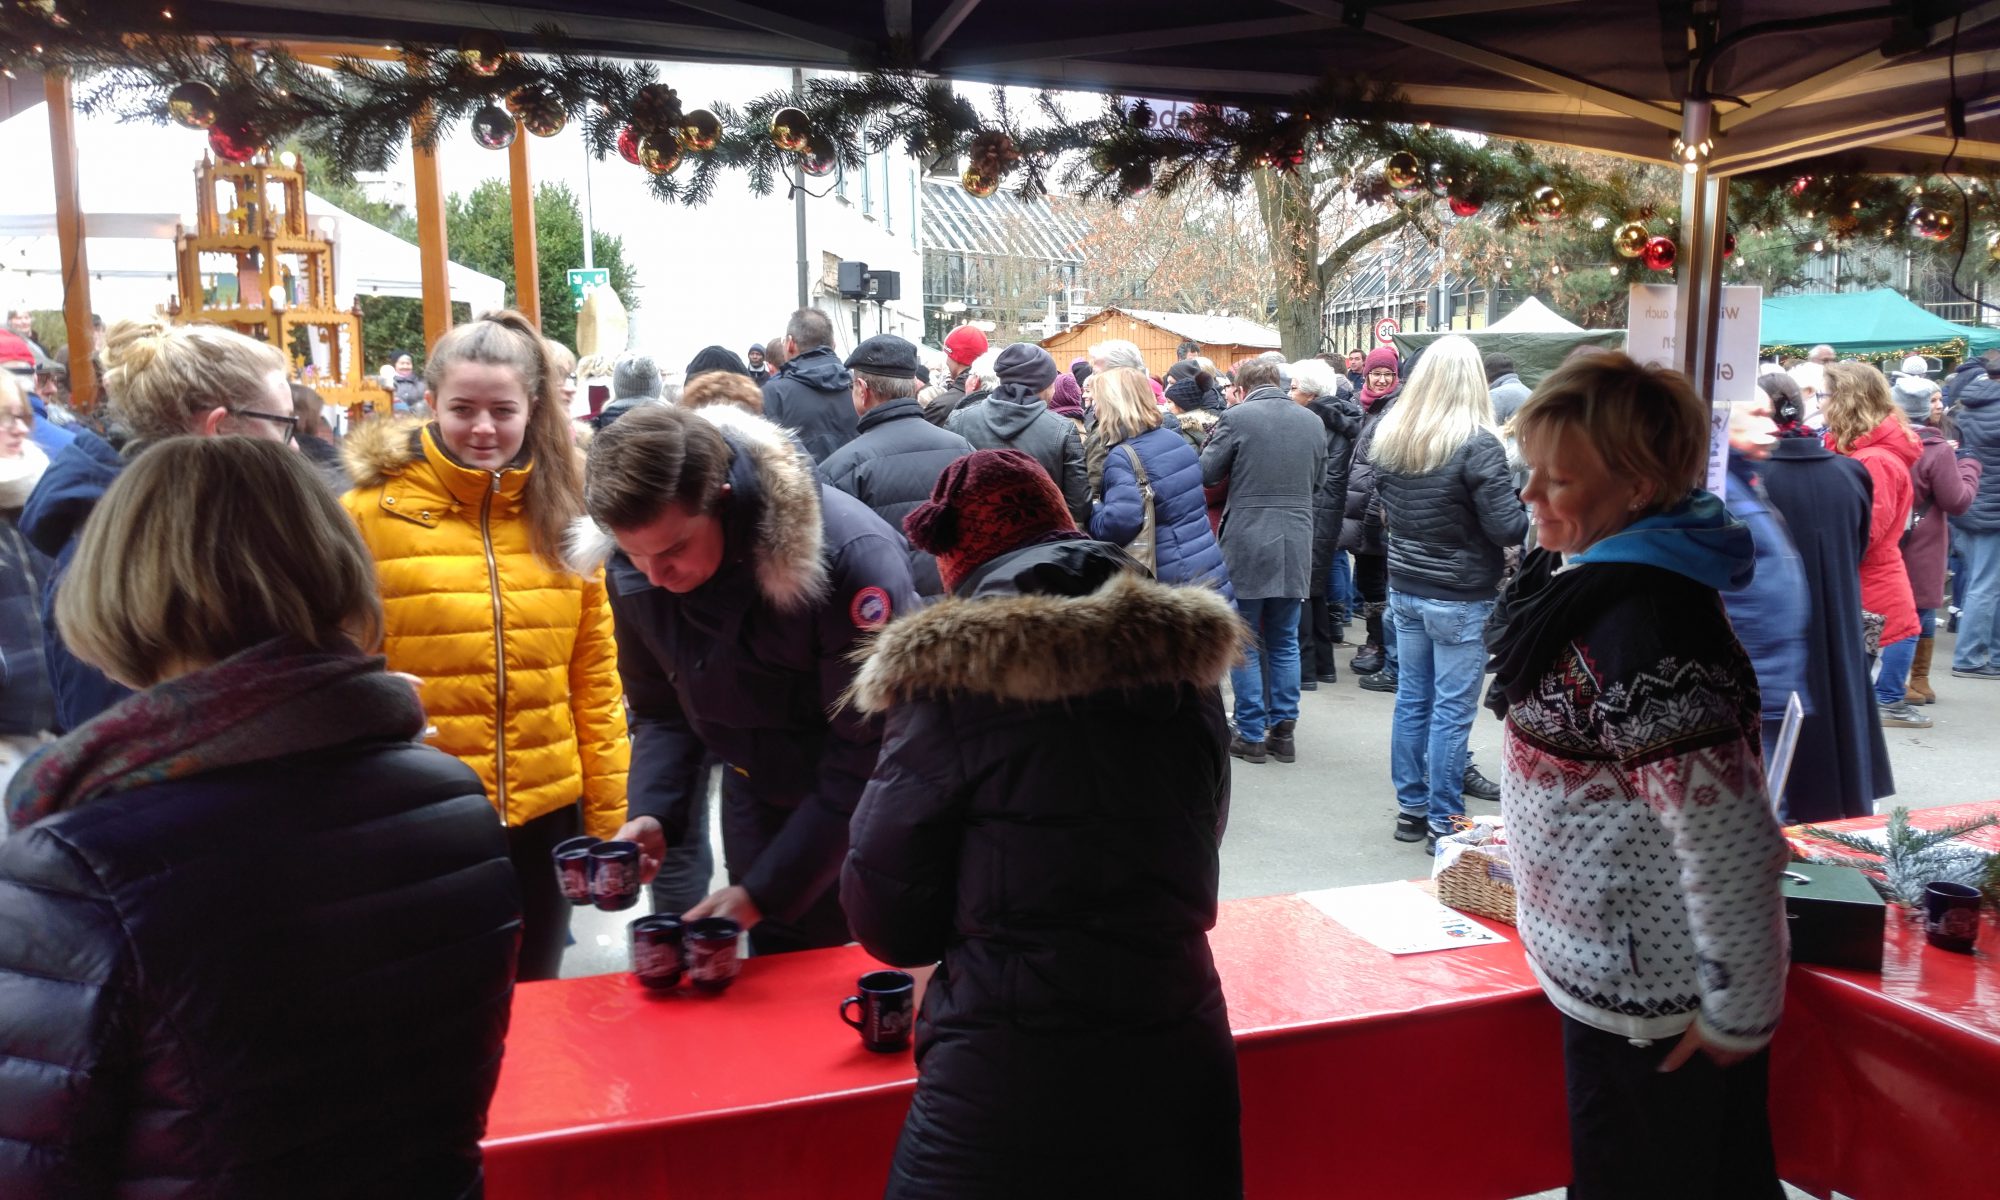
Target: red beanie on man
[984, 505]
[964, 344]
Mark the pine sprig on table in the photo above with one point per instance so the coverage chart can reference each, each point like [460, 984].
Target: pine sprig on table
[1911, 857]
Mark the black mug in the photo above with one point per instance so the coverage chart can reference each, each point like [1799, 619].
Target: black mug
[712, 960]
[1951, 915]
[887, 1001]
[614, 875]
[656, 950]
[573, 868]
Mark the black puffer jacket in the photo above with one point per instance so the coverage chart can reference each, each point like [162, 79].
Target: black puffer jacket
[290, 978]
[1074, 1041]
[811, 397]
[1342, 418]
[1977, 416]
[1359, 530]
[892, 467]
[1449, 528]
[1008, 421]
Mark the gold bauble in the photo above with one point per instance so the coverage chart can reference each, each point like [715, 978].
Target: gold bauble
[1402, 172]
[659, 155]
[1630, 239]
[791, 130]
[699, 131]
[1547, 204]
[978, 183]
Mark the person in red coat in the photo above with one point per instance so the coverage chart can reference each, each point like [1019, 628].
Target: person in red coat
[1944, 485]
[1864, 424]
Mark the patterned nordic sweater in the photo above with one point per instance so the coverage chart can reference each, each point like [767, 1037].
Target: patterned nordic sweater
[1645, 852]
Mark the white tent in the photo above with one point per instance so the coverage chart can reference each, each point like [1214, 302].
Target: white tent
[1533, 317]
[137, 185]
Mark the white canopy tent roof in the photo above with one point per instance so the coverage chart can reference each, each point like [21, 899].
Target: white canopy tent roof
[1534, 317]
[137, 185]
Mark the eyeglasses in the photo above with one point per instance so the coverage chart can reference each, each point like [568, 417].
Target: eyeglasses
[291, 424]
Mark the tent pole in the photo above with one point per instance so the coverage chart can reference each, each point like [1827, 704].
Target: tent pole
[1704, 201]
[431, 247]
[527, 260]
[70, 238]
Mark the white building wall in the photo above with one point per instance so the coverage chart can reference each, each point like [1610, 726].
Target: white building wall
[726, 272]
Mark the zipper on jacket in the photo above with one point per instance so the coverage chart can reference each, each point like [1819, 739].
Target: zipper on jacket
[499, 651]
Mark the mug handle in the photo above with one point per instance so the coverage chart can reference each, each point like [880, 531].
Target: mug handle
[855, 1001]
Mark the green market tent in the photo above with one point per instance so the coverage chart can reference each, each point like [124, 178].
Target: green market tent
[1536, 337]
[1882, 323]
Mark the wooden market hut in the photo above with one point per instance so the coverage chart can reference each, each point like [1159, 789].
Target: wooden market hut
[1159, 334]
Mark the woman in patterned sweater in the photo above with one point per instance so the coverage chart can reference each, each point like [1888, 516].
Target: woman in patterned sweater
[1646, 854]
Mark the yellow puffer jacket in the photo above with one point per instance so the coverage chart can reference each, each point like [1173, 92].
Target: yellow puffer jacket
[501, 640]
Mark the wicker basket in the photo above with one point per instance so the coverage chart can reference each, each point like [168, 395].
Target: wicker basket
[1481, 882]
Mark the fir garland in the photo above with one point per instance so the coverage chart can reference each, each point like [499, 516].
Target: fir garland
[358, 112]
[1908, 858]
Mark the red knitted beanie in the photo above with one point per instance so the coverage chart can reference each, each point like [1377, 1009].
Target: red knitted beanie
[985, 504]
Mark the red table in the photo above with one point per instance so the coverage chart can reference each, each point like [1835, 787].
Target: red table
[1363, 1074]
[1357, 1067]
[1889, 1085]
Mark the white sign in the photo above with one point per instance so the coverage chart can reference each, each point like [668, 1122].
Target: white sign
[1652, 326]
[1400, 918]
[1386, 330]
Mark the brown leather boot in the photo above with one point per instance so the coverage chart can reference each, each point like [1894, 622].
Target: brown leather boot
[1919, 689]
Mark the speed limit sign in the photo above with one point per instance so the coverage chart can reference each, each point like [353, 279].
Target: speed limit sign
[1386, 329]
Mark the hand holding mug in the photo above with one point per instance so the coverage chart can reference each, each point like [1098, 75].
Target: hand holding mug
[652, 844]
[732, 902]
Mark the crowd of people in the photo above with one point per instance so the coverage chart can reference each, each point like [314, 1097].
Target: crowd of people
[258, 697]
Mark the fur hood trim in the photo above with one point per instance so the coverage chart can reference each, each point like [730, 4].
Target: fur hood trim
[790, 551]
[380, 449]
[1035, 649]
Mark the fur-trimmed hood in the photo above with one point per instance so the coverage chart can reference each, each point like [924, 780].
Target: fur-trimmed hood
[788, 544]
[378, 450]
[1130, 633]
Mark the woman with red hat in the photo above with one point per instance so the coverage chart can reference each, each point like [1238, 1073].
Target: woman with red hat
[1074, 1040]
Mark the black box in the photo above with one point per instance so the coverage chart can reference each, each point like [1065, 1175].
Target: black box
[1836, 916]
[851, 279]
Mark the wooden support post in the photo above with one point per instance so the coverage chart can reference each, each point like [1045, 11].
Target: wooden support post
[527, 260]
[431, 246]
[70, 237]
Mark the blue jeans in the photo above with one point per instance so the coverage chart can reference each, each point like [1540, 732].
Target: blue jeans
[1892, 679]
[1340, 587]
[1270, 664]
[1442, 646]
[1979, 619]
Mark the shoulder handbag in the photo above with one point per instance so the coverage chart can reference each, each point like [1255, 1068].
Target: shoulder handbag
[1143, 547]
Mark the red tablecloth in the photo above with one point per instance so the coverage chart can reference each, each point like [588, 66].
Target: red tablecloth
[1888, 1085]
[1352, 1063]
[1363, 1075]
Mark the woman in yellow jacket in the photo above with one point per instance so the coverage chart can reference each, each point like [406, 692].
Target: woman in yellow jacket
[465, 517]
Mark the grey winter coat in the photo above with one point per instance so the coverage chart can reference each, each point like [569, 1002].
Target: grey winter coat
[892, 467]
[811, 397]
[1508, 394]
[1449, 528]
[1004, 421]
[1977, 415]
[1273, 453]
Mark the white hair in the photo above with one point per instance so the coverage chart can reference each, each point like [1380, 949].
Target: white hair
[1314, 377]
[985, 370]
[1116, 353]
[1442, 407]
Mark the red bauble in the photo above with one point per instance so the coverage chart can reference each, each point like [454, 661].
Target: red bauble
[628, 145]
[234, 141]
[1659, 254]
[1729, 244]
[1466, 206]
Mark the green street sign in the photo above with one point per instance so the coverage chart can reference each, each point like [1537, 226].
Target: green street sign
[581, 282]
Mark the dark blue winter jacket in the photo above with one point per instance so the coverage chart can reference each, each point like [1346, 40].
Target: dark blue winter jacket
[1977, 415]
[53, 521]
[1185, 549]
[1772, 613]
[810, 397]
